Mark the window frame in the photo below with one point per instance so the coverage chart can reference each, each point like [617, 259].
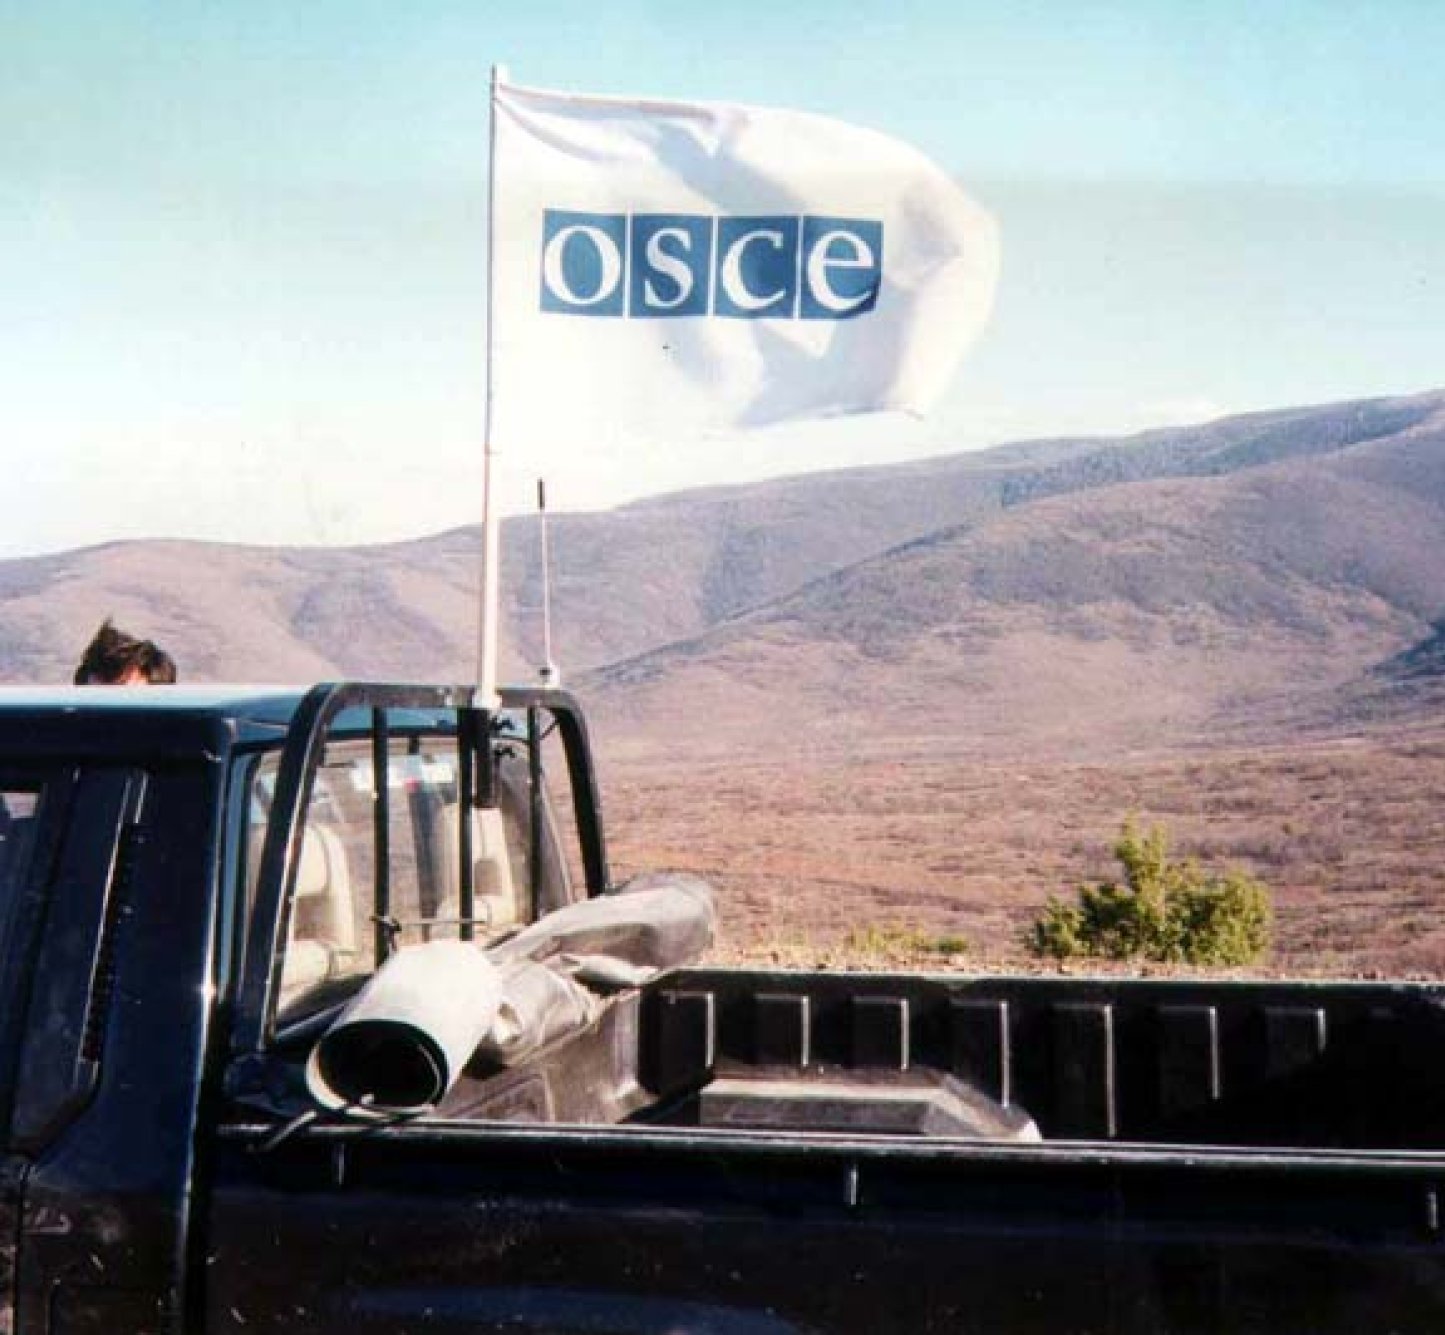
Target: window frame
[372, 711]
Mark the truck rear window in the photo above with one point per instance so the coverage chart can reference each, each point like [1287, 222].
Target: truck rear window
[337, 931]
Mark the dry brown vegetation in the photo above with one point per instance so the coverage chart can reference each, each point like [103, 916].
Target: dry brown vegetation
[890, 856]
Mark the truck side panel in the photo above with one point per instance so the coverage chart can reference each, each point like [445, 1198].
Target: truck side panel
[487, 1230]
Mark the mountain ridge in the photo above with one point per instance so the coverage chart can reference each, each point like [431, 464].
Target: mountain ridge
[1087, 567]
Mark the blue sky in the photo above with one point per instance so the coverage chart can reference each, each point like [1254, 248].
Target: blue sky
[242, 244]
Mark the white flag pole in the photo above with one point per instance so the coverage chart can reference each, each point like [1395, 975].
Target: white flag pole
[489, 634]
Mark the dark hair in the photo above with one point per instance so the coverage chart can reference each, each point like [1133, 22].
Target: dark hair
[113, 657]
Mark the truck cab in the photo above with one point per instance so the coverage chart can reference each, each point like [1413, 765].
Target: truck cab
[190, 876]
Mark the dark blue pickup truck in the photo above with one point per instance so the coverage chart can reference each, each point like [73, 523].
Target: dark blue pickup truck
[198, 887]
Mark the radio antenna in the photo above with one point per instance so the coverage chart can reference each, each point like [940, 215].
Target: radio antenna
[548, 672]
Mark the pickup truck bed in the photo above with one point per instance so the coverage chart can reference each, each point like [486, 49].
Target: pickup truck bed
[1168, 1063]
[1214, 1157]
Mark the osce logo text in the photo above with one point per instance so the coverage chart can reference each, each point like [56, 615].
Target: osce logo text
[661, 265]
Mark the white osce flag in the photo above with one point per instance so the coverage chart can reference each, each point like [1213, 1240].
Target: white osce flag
[666, 269]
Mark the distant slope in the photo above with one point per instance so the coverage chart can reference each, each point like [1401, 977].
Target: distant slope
[1407, 687]
[237, 613]
[1052, 589]
[1141, 612]
[625, 579]
[1229, 445]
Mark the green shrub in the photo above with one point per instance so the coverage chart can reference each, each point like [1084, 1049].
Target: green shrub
[1165, 911]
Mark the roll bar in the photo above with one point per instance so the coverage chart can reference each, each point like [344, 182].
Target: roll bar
[318, 714]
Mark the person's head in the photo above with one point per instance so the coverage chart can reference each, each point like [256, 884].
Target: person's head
[114, 658]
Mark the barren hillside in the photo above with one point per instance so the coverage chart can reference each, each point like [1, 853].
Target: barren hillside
[1143, 611]
[1026, 521]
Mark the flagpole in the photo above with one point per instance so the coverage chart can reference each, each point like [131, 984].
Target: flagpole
[489, 632]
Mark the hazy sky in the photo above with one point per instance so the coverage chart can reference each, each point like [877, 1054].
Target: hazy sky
[242, 243]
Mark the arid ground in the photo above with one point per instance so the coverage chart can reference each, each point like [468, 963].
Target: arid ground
[938, 860]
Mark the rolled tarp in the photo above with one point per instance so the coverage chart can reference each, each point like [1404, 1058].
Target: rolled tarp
[538, 1004]
[405, 1038]
[654, 922]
